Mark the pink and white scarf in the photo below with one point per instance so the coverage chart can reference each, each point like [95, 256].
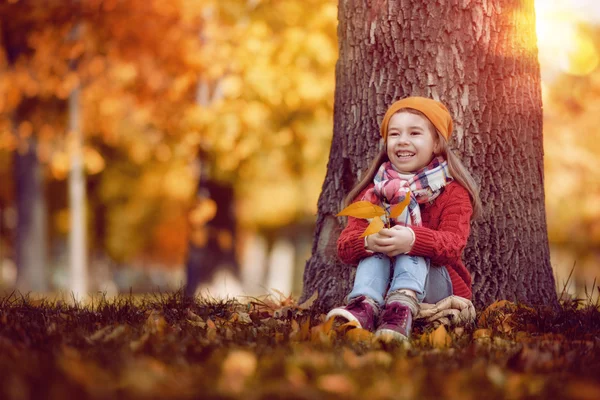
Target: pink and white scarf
[391, 188]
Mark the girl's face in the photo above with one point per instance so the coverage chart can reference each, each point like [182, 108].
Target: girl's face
[411, 141]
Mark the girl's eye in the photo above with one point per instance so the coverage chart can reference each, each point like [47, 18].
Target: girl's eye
[415, 133]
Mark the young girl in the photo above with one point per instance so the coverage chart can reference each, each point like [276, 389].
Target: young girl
[418, 259]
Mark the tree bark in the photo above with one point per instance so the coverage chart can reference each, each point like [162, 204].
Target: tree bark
[480, 59]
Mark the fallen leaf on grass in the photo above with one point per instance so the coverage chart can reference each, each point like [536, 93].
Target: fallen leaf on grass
[211, 330]
[440, 339]
[323, 333]
[156, 323]
[482, 333]
[115, 334]
[344, 328]
[300, 332]
[99, 333]
[336, 383]
[309, 302]
[359, 335]
[583, 390]
[237, 368]
[136, 345]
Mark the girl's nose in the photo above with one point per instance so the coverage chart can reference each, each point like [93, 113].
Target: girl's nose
[403, 139]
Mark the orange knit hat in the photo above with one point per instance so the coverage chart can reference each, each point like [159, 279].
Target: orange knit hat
[435, 111]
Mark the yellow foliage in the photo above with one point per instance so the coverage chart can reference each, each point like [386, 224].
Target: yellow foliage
[375, 226]
[362, 209]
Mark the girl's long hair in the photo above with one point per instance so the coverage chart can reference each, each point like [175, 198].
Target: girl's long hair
[457, 170]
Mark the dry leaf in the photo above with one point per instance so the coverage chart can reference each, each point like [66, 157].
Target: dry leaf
[396, 211]
[482, 333]
[136, 345]
[359, 335]
[336, 383]
[493, 309]
[342, 329]
[309, 302]
[156, 323]
[237, 368]
[375, 226]
[440, 338]
[99, 333]
[200, 324]
[323, 333]
[362, 209]
[118, 331]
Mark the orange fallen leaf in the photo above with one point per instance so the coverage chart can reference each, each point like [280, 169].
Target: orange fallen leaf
[323, 333]
[362, 209]
[375, 226]
[493, 310]
[482, 333]
[359, 335]
[309, 302]
[440, 339]
[336, 383]
[397, 210]
[239, 365]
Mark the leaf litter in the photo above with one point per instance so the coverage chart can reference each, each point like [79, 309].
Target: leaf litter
[171, 346]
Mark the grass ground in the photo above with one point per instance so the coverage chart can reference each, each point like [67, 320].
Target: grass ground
[167, 346]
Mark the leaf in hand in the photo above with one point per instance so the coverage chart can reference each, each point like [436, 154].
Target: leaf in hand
[375, 226]
[396, 211]
[362, 209]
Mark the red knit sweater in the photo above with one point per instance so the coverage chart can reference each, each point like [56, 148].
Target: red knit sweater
[441, 238]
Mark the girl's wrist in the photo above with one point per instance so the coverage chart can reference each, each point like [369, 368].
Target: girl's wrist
[414, 239]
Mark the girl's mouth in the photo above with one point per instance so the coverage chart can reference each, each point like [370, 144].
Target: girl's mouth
[404, 155]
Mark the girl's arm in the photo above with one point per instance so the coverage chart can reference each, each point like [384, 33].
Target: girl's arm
[350, 246]
[446, 244]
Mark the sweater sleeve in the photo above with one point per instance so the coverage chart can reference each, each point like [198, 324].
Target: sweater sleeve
[445, 245]
[350, 246]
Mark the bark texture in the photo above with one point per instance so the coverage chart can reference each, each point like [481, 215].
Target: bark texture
[479, 57]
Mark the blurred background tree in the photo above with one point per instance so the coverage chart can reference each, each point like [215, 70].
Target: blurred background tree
[250, 82]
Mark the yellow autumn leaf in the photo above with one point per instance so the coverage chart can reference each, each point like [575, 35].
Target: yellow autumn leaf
[359, 335]
[375, 226]
[440, 338]
[398, 208]
[362, 209]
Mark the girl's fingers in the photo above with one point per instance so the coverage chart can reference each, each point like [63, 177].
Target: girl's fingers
[383, 241]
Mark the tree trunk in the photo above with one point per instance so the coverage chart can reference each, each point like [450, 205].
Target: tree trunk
[480, 59]
[31, 238]
[77, 203]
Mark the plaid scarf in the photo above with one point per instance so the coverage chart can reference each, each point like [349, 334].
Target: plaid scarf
[391, 187]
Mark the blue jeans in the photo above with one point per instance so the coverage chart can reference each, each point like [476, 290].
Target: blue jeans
[379, 274]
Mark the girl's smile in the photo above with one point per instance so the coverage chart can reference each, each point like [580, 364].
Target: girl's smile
[411, 141]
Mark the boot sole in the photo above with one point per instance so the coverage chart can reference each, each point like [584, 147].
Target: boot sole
[387, 334]
[344, 314]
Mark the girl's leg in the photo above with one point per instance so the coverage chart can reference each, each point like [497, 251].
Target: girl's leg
[406, 290]
[438, 285]
[372, 278]
[370, 283]
[410, 272]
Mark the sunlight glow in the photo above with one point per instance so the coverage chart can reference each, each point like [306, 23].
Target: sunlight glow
[561, 44]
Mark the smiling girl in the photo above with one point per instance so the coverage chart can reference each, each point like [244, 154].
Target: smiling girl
[418, 259]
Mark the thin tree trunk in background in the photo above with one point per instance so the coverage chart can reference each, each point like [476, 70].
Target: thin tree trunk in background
[77, 200]
[480, 59]
[31, 234]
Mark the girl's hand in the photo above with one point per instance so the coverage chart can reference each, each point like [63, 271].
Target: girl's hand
[394, 241]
